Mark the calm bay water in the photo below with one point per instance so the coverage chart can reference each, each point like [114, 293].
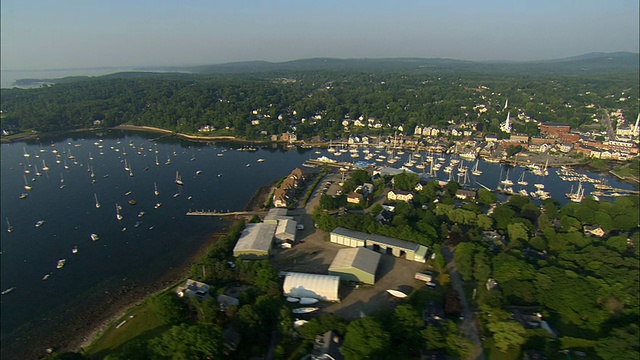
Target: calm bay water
[160, 239]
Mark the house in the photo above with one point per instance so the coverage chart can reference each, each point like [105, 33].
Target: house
[367, 188]
[399, 195]
[227, 301]
[466, 194]
[327, 346]
[594, 230]
[193, 288]
[354, 197]
[418, 187]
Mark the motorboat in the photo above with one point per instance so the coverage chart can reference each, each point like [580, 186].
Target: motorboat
[305, 310]
[93, 237]
[61, 263]
[292, 299]
[308, 301]
[397, 293]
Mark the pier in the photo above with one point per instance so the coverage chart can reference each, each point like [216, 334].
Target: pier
[222, 213]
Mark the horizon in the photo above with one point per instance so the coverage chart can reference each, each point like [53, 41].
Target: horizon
[154, 68]
[74, 34]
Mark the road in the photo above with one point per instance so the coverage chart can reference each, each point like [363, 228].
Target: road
[469, 326]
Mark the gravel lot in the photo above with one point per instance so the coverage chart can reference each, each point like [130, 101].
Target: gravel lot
[315, 253]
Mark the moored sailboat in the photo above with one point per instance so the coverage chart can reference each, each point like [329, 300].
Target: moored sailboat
[179, 179]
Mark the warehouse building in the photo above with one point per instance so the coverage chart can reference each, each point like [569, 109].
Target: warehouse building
[321, 287]
[286, 231]
[356, 264]
[275, 215]
[381, 244]
[348, 237]
[255, 241]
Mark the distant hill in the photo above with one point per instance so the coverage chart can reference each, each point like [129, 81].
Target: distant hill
[591, 63]
[587, 63]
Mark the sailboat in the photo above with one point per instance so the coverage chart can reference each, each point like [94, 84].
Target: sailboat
[118, 216]
[126, 166]
[92, 173]
[9, 227]
[578, 195]
[26, 154]
[179, 179]
[26, 184]
[155, 189]
[97, 203]
[521, 180]
[475, 170]
[507, 181]
[157, 162]
[38, 173]
[44, 166]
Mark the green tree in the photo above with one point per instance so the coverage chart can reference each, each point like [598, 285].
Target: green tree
[517, 233]
[168, 307]
[486, 197]
[463, 257]
[507, 334]
[405, 181]
[621, 344]
[365, 338]
[189, 342]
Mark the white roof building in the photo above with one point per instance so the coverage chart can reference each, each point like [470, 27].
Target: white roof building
[321, 287]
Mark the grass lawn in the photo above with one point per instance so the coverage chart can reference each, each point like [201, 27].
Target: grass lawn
[144, 323]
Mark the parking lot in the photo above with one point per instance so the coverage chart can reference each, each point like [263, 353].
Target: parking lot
[315, 254]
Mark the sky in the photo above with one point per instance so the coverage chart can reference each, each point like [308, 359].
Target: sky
[67, 34]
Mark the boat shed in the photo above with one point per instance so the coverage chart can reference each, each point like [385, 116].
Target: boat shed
[356, 264]
[286, 230]
[348, 237]
[321, 287]
[275, 215]
[378, 243]
[398, 248]
[255, 241]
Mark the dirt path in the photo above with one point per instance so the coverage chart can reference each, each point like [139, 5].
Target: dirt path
[469, 326]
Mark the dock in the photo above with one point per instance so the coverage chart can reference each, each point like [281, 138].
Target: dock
[222, 213]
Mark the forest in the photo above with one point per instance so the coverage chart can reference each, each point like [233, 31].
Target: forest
[314, 101]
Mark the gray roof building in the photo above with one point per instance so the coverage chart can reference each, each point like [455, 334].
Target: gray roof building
[255, 241]
[286, 230]
[356, 264]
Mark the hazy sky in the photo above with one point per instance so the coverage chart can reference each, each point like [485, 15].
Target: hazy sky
[44, 34]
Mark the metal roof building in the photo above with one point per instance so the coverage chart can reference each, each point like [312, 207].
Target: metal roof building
[275, 215]
[286, 230]
[378, 243]
[321, 287]
[356, 264]
[255, 241]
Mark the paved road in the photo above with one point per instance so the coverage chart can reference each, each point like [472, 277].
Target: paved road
[469, 326]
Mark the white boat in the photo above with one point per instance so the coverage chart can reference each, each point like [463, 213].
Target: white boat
[198, 172]
[97, 203]
[157, 205]
[578, 195]
[44, 166]
[118, 216]
[61, 263]
[305, 310]
[397, 293]
[74, 250]
[157, 162]
[292, 299]
[298, 323]
[155, 189]
[178, 179]
[44, 278]
[475, 170]
[26, 154]
[39, 223]
[521, 180]
[308, 301]
[5, 292]
[9, 227]
[26, 184]
[507, 181]
[94, 237]
[260, 160]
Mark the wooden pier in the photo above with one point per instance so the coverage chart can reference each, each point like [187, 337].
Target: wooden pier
[228, 213]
